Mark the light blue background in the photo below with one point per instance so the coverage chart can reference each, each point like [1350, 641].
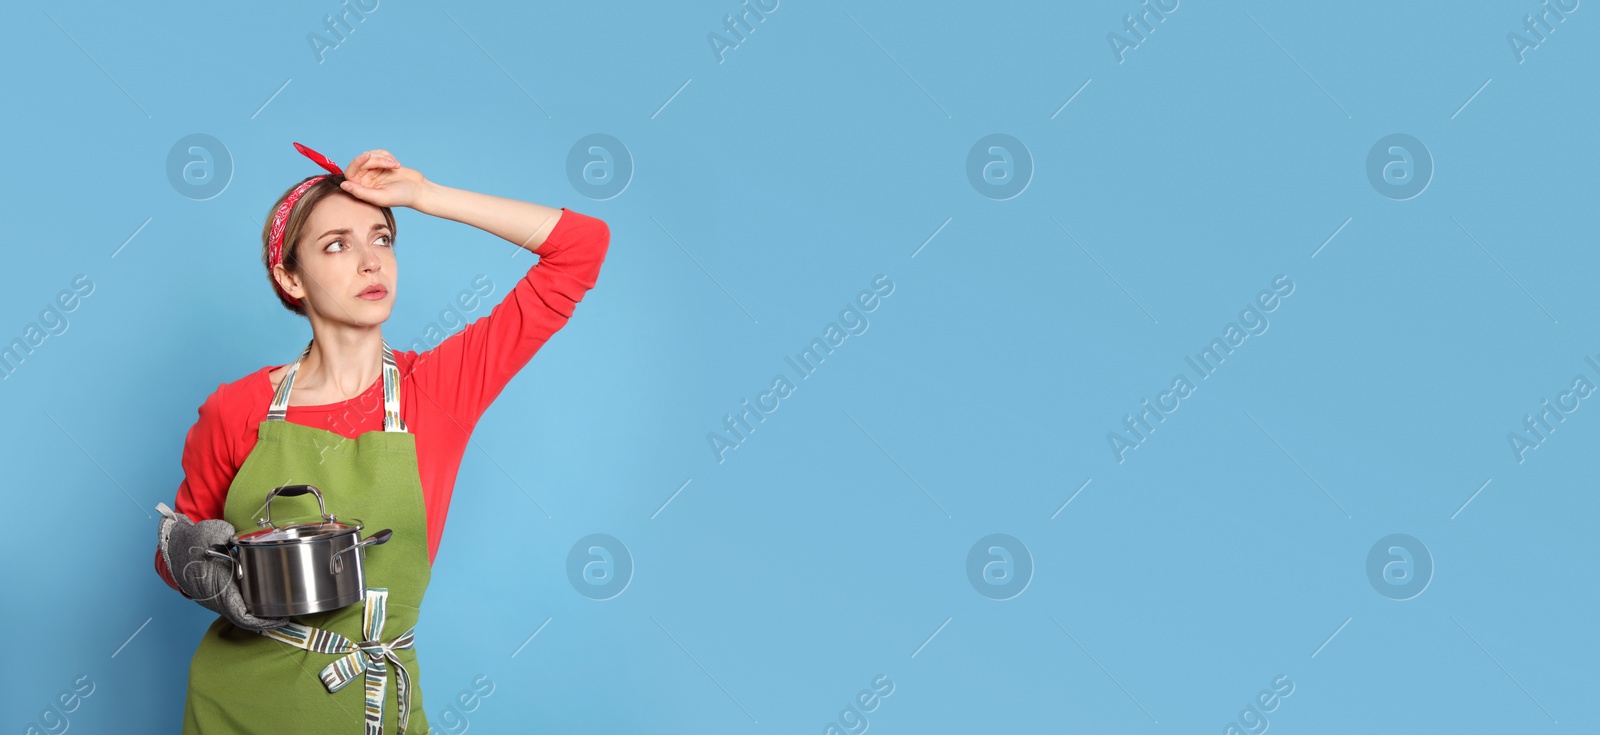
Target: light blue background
[1227, 550]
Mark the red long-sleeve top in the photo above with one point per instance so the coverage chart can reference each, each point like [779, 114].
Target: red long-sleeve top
[443, 390]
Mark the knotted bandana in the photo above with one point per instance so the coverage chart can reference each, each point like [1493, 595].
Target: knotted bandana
[281, 217]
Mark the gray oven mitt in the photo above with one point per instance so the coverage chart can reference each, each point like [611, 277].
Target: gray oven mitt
[205, 579]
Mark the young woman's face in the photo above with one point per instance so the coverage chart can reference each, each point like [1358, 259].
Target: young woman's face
[347, 270]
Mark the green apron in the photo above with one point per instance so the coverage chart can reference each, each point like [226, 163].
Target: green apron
[325, 675]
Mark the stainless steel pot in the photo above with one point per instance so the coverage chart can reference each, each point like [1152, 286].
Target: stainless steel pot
[299, 568]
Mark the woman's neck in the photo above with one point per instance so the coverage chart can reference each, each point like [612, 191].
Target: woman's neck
[341, 365]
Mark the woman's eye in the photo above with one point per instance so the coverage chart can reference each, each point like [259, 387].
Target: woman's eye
[383, 241]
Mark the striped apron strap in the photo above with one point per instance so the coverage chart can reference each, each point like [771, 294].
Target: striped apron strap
[279, 410]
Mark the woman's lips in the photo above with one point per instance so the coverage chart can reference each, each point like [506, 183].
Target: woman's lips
[374, 294]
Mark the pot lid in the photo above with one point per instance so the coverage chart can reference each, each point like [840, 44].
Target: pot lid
[288, 533]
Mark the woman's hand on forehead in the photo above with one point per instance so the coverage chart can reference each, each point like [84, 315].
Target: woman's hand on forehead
[377, 177]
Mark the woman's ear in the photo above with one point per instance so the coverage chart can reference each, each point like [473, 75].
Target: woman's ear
[289, 282]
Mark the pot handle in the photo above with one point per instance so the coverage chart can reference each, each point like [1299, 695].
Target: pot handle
[291, 491]
[336, 564]
[220, 551]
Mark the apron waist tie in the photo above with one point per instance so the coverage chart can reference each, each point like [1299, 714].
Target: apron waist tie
[370, 657]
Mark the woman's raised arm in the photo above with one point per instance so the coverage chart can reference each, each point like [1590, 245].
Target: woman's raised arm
[523, 224]
[465, 372]
[378, 178]
[469, 369]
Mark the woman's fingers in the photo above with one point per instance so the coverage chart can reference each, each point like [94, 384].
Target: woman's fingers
[378, 164]
[372, 172]
[373, 160]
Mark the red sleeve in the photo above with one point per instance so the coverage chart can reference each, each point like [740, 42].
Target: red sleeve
[208, 470]
[468, 370]
[161, 569]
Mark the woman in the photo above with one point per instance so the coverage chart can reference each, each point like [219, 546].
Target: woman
[380, 432]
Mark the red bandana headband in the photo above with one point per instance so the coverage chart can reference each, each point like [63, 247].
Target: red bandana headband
[281, 216]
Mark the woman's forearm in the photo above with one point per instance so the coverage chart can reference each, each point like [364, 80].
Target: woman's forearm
[524, 224]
